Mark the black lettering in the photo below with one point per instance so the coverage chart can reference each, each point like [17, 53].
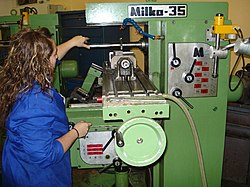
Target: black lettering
[146, 11]
[135, 12]
[151, 11]
[181, 10]
[142, 11]
[159, 12]
[198, 52]
[172, 10]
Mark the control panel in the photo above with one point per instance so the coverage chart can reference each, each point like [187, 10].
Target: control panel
[93, 149]
[190, 70]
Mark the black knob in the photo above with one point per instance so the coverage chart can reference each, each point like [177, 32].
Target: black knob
[176, 62]
[71, 125]
[189, 78]
[177, 92]
[119, 139]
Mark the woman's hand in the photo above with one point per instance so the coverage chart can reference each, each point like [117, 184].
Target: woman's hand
[80, 41]
[76, 41]
[82, 127]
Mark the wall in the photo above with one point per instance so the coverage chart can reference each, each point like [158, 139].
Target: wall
[5, 7]
[239, 14]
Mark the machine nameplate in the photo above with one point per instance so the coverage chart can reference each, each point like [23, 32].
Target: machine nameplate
[159, 11]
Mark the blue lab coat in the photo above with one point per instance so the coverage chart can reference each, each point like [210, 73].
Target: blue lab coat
[32, 156]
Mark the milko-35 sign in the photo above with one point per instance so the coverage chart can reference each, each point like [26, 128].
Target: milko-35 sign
[163, 11]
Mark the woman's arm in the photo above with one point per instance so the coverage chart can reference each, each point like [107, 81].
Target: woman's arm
[79, 130]
[77, 41]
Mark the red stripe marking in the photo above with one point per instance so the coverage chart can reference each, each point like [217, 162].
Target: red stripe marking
[94, 149]
[94, 153]
[94, 145]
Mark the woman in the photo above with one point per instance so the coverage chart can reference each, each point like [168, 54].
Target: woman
[37, 143]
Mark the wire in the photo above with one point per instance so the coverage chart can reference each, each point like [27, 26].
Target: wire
[195, 136]
[240, 34]
[34, 10]
[129, 180]
[30, 10]
[21, 22]
[150, 177]
[241, 76]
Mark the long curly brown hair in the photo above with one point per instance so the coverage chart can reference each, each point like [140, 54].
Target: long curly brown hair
[28, 61]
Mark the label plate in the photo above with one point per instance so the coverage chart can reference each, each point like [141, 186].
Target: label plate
[157, 11]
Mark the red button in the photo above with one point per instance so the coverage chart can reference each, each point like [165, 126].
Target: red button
[99, 100]
[198, 63]
[204, 79]
[204, 91]
[197, 85]
[205, 68]
[198, 74]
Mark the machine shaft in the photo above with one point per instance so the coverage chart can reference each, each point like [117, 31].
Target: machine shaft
[136, 44]
[216, 59]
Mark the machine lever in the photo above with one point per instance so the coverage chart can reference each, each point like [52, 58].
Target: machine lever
[105, 168]
[189, 77]
[216, 59]
[176, 62]
[178, 93]
[117, 163]
[187, 103]
[110, 140]
[119, 139]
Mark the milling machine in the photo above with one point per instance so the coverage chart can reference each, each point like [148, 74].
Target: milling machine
[168, 119]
